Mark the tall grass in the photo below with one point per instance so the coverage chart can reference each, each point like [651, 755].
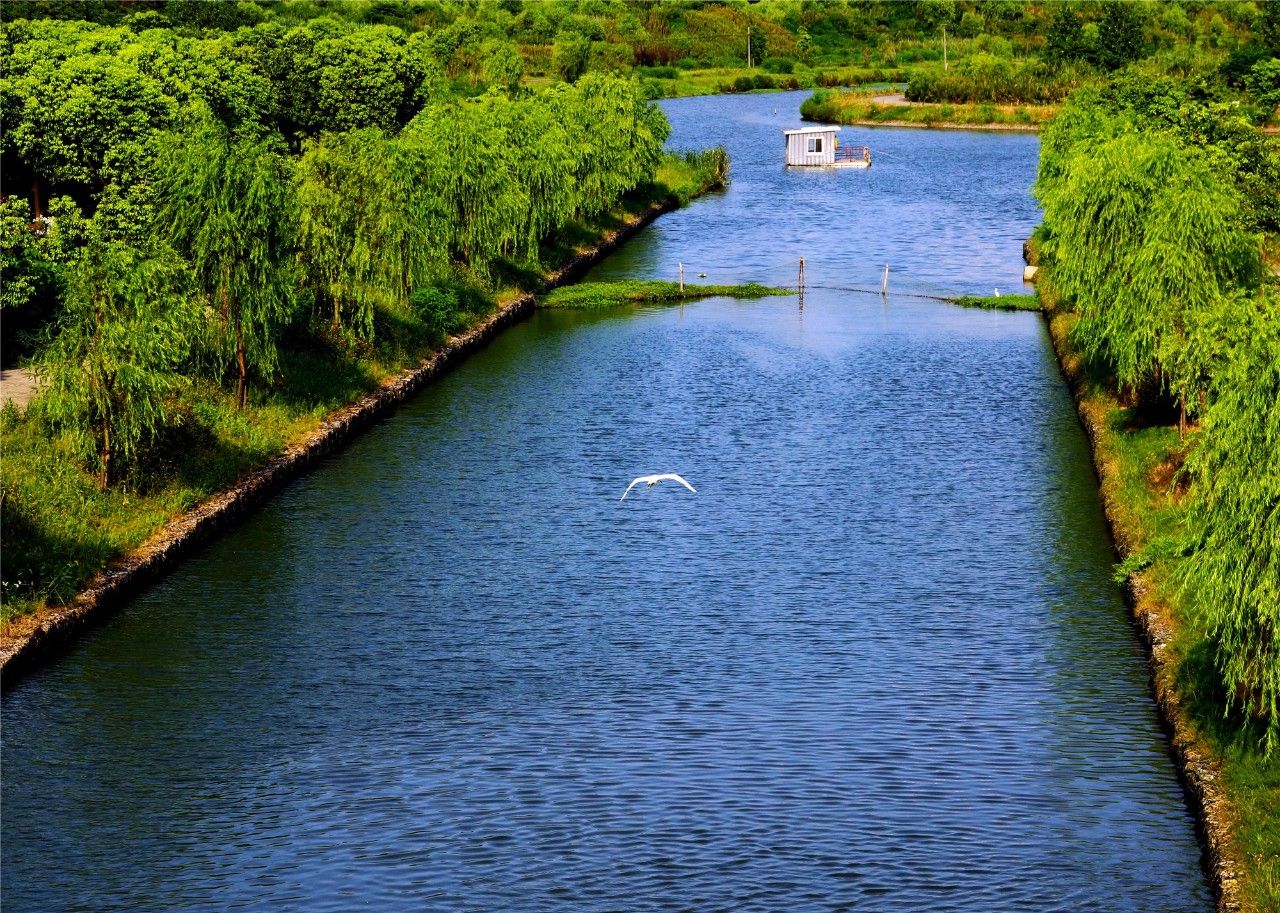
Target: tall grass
[694, 173]
[858, 107]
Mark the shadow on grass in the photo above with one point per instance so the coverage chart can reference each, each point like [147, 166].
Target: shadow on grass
[41, 563]
[1201, 686]
[314, 373]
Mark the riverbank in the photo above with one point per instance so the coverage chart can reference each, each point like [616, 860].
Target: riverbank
[1234, 792]
[661, 82]
[27, 639]
[864, 109]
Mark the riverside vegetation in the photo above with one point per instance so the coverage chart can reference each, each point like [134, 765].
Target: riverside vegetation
[587, 295]
[203, 259]
[1161, 207]
[222, 221]
[1017, 76]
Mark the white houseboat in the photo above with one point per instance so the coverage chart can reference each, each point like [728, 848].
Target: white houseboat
[819, 146]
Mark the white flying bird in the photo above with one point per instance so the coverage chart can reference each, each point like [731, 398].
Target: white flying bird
[650, 481]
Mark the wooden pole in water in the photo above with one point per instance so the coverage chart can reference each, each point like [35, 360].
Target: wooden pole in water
[681, 278]
[884, 284]
[800, 283]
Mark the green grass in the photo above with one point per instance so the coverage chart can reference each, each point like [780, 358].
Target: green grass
[615, 294]
[59, 529]
[1000, 302]
[686, 177]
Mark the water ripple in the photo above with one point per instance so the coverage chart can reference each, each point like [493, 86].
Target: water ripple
[875, 664]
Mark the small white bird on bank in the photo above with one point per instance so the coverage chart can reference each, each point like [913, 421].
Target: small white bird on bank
[650, 481]
[997, 293]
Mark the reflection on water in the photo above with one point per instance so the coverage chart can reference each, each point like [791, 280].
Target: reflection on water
[876, 663]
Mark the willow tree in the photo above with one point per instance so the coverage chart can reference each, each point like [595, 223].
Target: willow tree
[371, 224]
[1233, 572]
[537, 155]
[474, 177]
[1145, 234]
[128, 321]
[229, 205]
[337, 230]
[617, 138]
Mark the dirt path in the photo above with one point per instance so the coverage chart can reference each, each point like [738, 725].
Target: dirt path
[18, 385]
[897, 98]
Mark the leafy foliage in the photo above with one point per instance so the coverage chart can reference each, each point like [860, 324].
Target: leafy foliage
[1149, 239]
[1143, 233]
[1233, 572]
[229, 206]
[127, 325]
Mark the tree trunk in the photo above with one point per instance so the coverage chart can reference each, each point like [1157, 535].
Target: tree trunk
[336, 323]
[37, 207]
[105, 479]
[242, 390]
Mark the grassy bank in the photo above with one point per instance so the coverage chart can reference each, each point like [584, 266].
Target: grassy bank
[1000, 302]
[859, 107]
[60, 527]
[1138, 457]
[613, 294]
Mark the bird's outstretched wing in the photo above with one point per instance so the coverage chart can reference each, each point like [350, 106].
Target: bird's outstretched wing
[633, 484]
[678, 478]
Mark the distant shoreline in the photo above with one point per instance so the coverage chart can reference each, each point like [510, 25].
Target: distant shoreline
[944, 125]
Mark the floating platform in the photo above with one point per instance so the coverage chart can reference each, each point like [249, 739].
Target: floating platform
[818, 147]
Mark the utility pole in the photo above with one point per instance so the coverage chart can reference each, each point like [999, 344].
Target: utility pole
[944, 48]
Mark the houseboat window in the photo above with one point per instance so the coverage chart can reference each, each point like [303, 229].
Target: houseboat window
[815, 144]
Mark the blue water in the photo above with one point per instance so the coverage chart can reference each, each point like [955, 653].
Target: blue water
[876, 663]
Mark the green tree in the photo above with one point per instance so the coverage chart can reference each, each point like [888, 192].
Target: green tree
[111, 366]
[229, 205]
[474, 177]
[33, 258]
[1120, 35]
[571, 55]
[371, 219]
[362, 80]
[1145, 234]
[74, 114]
[1233, 572]
[503, 66]
[1263, 83]
[1065, 39]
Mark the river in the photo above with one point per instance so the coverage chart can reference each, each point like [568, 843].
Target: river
[876, 663]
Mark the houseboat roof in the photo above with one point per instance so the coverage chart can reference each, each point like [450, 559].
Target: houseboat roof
[832, 129]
